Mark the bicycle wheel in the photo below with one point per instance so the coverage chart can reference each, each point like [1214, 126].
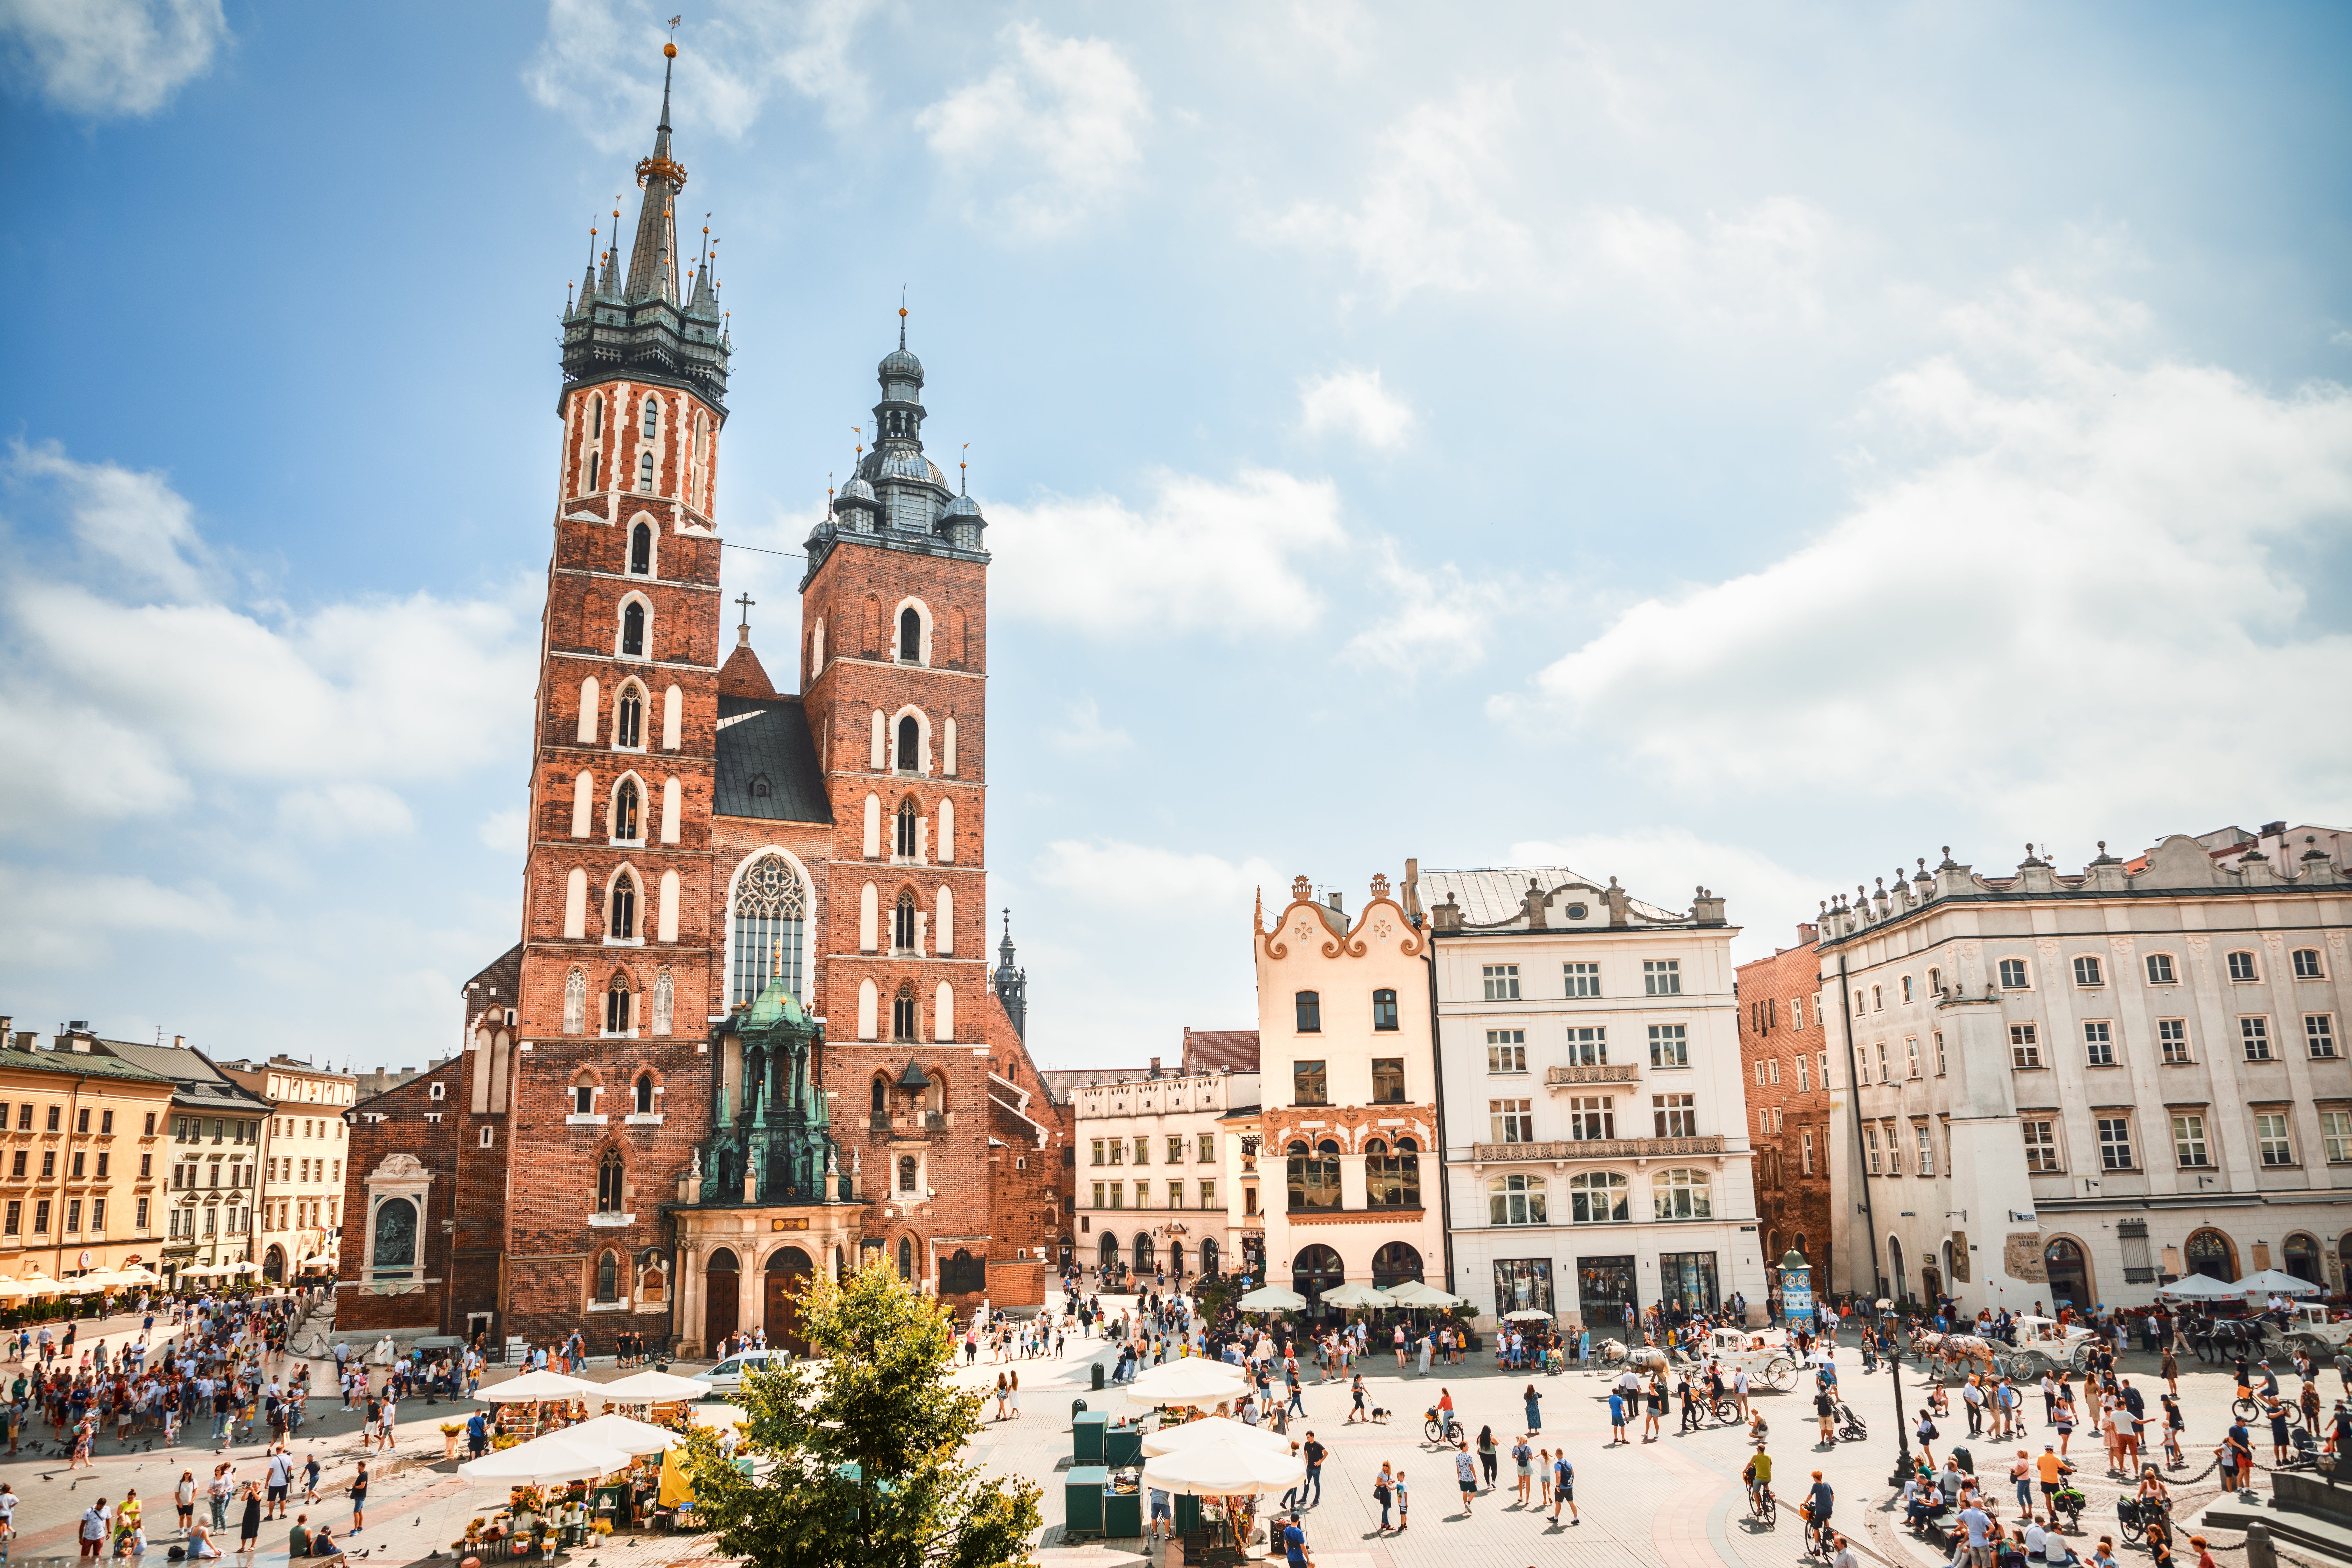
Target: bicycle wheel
[1726, 1410]
[1430, 1432]
[2245, 1409]
[1770, 1512]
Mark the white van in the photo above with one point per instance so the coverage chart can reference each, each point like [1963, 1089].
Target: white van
[728, 1375]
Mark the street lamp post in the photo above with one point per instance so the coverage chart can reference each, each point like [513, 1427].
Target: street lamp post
[1895, 1375]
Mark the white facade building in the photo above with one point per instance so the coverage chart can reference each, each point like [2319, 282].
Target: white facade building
[1597, 1156]
[2077, 1087]
[1154, 1178]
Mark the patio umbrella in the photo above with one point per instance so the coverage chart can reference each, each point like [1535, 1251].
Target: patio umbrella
[1353, 1294]
[1224, 1470]
[651, 1387]
[2199, 1288]
[555, 1457]
[1191, 1381]
[139, 1274]
[719, 1415]
[620, 1431]
[1528, 1315]
[1272, 1298]
[1419, 1293]
[2274, 1282]
[533, 1386]
[1211, 1429]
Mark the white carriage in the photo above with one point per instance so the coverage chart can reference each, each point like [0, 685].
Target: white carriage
[2046, 1344]
[1764, 1354]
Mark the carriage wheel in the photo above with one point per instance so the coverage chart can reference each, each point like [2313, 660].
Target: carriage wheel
[1780, 1374]
[2080, 1360]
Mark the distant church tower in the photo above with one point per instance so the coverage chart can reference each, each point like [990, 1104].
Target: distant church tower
[1011, 984]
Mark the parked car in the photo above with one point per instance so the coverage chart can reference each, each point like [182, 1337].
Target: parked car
[728, 1375]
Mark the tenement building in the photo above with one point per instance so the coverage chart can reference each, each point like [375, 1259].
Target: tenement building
[748, 1032]
[303, 1146]
[1152, 1187]
[1786, 1054]
[1348, 1092]
[1597, 1156]
[83, 1137]
[2078, 1088]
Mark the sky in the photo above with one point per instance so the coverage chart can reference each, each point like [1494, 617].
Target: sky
[1753, 447]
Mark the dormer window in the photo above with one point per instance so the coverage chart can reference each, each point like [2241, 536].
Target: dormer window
[760, 787]
[641, 551]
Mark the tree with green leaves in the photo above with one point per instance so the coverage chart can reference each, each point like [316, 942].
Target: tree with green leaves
[854, 1454]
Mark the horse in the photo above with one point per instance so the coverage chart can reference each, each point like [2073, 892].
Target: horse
[2219, 1338]
[1955, 1353]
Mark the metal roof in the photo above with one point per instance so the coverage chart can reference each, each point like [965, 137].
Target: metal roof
[1494, 894]
[767, 762]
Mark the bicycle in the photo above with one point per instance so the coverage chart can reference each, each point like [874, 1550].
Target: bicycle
[1763, 1507]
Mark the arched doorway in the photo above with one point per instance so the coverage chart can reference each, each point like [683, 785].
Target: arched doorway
[2209, 1252]
[273, 1264]
[1142, 1252]
[788, 1275]
[722, 1282]
[1208, 1256]
[2300, 1258]
[1176, 1261]
[1900, 1282]
[1394, 1264]
[2070, 1274]
[1315, 1270]
[1109, 1252]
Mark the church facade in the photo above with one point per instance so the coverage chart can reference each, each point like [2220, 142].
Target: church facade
[750, 1031]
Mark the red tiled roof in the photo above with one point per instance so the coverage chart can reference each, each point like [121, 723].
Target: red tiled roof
[1220, 1051]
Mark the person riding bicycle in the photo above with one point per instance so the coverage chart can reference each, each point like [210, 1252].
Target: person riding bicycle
[1819, 1500]
[1759, 1477]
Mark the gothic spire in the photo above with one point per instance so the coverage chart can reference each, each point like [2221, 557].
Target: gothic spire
[653, 259]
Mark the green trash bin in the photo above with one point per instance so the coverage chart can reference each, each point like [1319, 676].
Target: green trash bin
[1082, 1501]
[1086, 1437]
[1099, 1374]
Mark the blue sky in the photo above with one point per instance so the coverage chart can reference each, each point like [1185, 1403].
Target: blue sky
[1748, 445]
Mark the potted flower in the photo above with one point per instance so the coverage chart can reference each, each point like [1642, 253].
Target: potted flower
[450, 1432]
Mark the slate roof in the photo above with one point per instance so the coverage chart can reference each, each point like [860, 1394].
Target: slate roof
[767, 762]
[90, 1062]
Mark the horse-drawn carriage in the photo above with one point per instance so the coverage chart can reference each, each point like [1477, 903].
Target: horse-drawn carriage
[1763, 1355]
[2045, 1344]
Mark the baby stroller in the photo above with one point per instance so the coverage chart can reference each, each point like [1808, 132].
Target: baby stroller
[1851, 1428]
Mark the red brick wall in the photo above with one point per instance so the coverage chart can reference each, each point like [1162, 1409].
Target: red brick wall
[1789, 1203]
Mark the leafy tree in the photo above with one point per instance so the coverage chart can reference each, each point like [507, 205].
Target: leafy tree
[856, 1453]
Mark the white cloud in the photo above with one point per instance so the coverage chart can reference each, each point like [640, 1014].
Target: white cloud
[505, 831]
[1144, 880]
[599, 65]
[105, 58]
[333, 813]
[1761, 263]
[66, 761]
[1439, 619]
[1666, 866]
[2077, 598]
[144, 531]
[1354, 403]
[1430, 216]
[1086, 735]
[1226, 558]
[1055, 131]
[53, 916]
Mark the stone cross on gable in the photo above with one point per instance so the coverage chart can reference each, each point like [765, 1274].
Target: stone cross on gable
[747, 602]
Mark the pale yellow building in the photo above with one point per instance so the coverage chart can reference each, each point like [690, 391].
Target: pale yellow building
[79, 1183]
[304, 1144]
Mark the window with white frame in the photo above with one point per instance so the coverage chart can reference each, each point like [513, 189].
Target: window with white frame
[1587, 1046]
[1911, 1056]
[1939, 1053]
[1893, 1151]
[1877, 1000]
[1773, 1070]
[2255, 1034]
[2319, 1034]
[2172, 1037]
[2087, 972]
[1598, 1197]
[1907, 988]
[1662, 977]
[2188, 1139]
[1883, 1075]
[2336, 1131]
[1927, 1148]
[2014, 974]
[1516, 1200]
[1675, 1115]
[1796, 1012]
[1583, 979]
[1506, 1050]
[2098, 1042]
[1870, 1142]
[1502, 982]
[2115, 1140]
[1669, 1046]
[2160, 971]
[2024, 1046]
[2306, 964]
[1803, 1085]
[2040, 1146]
[1680, 1194]
[2270, 1137]
[1805, 1149]
[1591, 1117]
[1822, 1063]
[2241, 967]
[1511, 1120]
[1760, 1074]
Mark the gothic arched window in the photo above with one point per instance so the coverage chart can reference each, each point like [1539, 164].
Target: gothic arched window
[881, 1098]
[623, 901]
[596, 416]
[911, 634]
[608, 1277]
[640, 549]
[596, 465]
[645, 472]
[902, 928]
[906, 1174]
[616, 1005]
[652, 427]
[626, 805]
[771, 910]
[902, 1014]
[906, 1258]
[629, 719]
[645, 1097]
[633, 630]
[575, 1003]
[910, 744]
[608, 1185]
[907, 828]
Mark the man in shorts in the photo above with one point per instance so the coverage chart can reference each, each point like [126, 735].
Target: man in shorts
[1163, 1515]
[2054, 1471]
[1563, 1489]
[281, 1478]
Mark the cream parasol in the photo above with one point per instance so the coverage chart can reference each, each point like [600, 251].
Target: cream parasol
[540, 1387]
[651, 1387]
[1212, 1429]
[1190, 1381]
[558, 1456]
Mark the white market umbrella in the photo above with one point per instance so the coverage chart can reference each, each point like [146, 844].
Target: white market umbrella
[2273, 1282]
[139, 1274]
[620, 1431]
[1353, 1294]
[2199, 1288]
[1211, 1429]
[1419, 1293]
[1190, 1381]
[1528, 1315]
[557, 1456]
[650, 1387]
[720, 1415]
[1272, 1298]
[1224, 1470]
[100, 1279]
[540, 1385]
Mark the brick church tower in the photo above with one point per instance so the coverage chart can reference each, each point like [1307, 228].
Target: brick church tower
[749, 1031]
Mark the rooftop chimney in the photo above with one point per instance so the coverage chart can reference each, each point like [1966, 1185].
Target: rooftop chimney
[178, 1042]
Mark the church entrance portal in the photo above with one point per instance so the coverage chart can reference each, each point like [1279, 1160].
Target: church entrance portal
[788, 1275]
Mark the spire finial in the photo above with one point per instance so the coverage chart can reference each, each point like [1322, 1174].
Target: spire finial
[902, 320]
[963, 479]
[669, 59]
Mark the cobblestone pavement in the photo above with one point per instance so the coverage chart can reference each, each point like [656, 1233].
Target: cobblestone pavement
[1676, 1501]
